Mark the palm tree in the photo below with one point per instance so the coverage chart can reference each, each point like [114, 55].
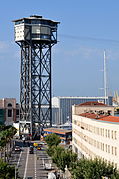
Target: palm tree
[6, 171]
[6, 136]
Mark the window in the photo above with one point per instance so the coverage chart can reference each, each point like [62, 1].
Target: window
[112, 134]
[115, 151]
[108, 148]
[103, 132]
[109, 112]
[108, 133]
[115, 134]
[76, 150]
[17, 112]
[41, 36]
[9, 113]
[112, 150]
[9, 105]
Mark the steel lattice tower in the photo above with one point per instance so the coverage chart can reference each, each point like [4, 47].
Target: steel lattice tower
[35, 36]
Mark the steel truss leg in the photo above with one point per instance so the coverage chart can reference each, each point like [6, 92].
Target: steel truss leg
[35, 88]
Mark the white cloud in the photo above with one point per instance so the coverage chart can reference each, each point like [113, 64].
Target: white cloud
[87, 53]
[9, 50]
[3, 45]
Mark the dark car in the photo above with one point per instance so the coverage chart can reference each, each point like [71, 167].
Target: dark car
[31, 150]
[17, 149]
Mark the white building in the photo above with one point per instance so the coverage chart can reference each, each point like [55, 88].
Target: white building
[63, 106]
[96, 135]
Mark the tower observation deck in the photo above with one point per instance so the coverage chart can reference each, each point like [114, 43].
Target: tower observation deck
[35, 36]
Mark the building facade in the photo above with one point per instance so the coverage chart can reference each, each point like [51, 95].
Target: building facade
[65, 135]
[93, 107]
[62, 106]
[96, 135]
[9, 110]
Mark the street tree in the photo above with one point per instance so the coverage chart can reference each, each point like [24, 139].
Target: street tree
[63, 157]
[6, 135]
[6, 171]
[93, 169]
[52, 140]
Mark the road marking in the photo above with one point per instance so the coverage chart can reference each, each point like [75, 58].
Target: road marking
[26, 163]
[35, 165]
[19, 159]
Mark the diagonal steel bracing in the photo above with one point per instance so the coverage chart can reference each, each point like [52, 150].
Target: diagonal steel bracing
[35, 87]
[35, 36]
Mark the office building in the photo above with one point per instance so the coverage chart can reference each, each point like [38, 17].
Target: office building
[95, 134]
[63, 105]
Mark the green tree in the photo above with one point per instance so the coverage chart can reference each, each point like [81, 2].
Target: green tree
[52, 140]
[63, 157]
[56, 156]
[93, 169]
[6, 135]
[6, 171]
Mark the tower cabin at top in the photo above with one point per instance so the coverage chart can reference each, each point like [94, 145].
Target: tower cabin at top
[35, 28]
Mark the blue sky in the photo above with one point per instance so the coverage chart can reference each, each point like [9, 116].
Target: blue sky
[86, 28]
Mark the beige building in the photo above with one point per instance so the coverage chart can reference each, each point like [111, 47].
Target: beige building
[11, 109]
[96, 135]
[93, 107]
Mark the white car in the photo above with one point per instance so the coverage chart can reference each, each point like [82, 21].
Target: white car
[48, 166]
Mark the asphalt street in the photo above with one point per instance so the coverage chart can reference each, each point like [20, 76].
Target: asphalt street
[32, 165]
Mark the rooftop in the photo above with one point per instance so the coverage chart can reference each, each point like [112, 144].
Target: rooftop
[92, 103]
[57, 130]
[34, 17]
[81, 97]
[107, 118]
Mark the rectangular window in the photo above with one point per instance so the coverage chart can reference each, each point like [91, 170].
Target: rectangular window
[17, 112]
[112, 150]
[76, 150]
[112, 134]
[101, 131]
[108, 133]
[101, 145]
[115, 151]
[9, 112]
[115, 134]
[108, 149]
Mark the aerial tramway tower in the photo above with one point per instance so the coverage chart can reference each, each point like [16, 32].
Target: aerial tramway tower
[35, 36]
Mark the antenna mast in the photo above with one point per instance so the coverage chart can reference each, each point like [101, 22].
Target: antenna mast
[105, 77]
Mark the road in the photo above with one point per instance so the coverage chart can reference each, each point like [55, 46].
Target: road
[31, 164]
